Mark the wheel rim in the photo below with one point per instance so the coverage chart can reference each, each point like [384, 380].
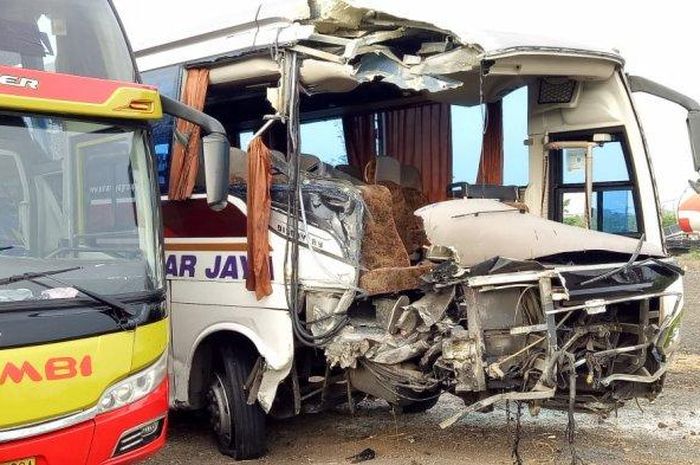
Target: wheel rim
[219, 413]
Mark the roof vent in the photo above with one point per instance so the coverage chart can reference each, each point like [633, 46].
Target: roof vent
[556, 90]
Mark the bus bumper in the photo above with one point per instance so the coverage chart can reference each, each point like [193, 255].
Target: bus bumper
[123, 436]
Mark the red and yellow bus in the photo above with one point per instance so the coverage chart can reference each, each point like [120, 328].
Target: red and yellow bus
[83, 323]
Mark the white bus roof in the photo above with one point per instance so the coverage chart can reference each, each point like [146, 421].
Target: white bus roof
[215, 28]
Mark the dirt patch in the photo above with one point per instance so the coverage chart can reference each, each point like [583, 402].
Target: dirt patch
[685, 363]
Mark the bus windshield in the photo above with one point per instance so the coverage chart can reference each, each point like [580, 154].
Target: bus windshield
[80, 37]
[76, 194]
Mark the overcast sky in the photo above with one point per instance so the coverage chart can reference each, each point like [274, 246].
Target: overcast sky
[657, 39]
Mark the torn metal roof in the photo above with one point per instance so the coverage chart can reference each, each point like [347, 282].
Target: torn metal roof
[355, 25]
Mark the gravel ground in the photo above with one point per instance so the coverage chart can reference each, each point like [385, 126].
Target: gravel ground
[666, 431]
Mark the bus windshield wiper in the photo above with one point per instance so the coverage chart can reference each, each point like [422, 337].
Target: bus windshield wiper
[7, 247]
[34, 274]
[121, 312]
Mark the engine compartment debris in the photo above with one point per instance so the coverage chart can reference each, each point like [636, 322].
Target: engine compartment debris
[541, 330]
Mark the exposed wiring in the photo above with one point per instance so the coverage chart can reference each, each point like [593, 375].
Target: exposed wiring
[519, 303]
[291, 257]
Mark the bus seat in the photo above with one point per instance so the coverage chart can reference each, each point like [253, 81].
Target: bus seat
[411, 178]
[387, 266]
[278, 158]
[411, 182]
[387, 169]
[387, 172]
[412, 187]
[353, 171]
[310, 163]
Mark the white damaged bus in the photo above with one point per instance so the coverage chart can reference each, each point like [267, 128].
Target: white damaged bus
[388, 275]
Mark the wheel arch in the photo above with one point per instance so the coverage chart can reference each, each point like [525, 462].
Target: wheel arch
[204, 352]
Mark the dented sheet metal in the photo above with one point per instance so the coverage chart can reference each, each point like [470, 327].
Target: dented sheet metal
[378, 65]
[502, 230]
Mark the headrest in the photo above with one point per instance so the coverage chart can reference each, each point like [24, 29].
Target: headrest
[238, 164]
[388, 169]
[309, 163]
[410, 177]
[278, 157]
[350, 170]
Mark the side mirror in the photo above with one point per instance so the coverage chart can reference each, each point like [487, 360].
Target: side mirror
[215, 148]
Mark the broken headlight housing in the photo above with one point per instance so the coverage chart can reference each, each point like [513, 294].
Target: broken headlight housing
[134, 387]
[669, 335]
[671, 313]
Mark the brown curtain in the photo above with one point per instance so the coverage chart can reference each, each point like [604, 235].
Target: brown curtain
[184, 161]
[258, 202]
[491, 161]
[421, 136]
[360, 139]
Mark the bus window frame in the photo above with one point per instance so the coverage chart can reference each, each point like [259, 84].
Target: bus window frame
[557, 187]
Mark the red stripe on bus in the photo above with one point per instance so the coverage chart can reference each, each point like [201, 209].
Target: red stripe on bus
[58, 86]
[193, 218]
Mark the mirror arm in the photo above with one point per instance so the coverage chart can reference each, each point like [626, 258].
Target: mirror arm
[647, 86]
[178, 109]
[640, 84]
[215, 149]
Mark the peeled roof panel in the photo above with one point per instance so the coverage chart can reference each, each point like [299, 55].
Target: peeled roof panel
[493, 43]
[214, 26]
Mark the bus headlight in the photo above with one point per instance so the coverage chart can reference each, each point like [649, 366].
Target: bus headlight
[134, 387]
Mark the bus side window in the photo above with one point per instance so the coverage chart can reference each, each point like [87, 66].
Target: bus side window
[467, 136]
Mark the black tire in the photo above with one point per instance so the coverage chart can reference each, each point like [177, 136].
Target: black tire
[420, 406]
[239, 428]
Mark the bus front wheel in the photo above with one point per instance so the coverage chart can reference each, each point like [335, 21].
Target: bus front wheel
[239, 428]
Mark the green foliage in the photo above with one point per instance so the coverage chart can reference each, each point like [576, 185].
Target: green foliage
[575, 220]
[668, 218]
[694, 254]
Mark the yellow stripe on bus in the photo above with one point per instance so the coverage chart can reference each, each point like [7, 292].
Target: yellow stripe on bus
[125, 102]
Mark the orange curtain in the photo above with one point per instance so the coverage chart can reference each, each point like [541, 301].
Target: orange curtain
[491, 161]
[184, 161]
[360, 139]
[258, 202]
[421, 136]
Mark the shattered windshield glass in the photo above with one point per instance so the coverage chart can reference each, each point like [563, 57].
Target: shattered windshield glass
[76, 194]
